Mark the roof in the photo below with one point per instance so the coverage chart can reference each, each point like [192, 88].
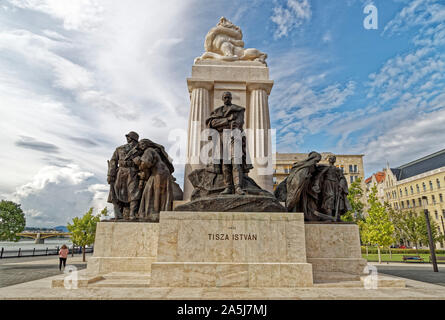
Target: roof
[379, 177]
[419, 166]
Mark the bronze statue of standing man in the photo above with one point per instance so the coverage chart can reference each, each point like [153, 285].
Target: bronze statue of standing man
[124, 181]
[228, 120]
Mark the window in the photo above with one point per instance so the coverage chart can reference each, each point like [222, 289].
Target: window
[401, 194]
[443, 213]
[436, 214]
[438, 183]
[355, 168]
[440, 198]
[342, 169]
[397, 205]
[411, 189]
[403, 205]
[424, 186]
[285, 171]
[274, 180]
[417, 188]
[414, 203]
[352, 179]
[350, 168]
[431, 185]
[406, 191]
[433, 198]
[420, 202]
[407, 204]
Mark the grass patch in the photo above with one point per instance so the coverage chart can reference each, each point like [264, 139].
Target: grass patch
[394, 257]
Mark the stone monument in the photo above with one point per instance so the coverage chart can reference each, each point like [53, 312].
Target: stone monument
[230, 230]
[227, 66]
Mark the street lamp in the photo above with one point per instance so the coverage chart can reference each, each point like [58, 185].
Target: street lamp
[430, 236]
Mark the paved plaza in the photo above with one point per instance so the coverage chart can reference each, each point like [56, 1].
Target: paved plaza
[19, 270]
[414, 271]
[30, 278]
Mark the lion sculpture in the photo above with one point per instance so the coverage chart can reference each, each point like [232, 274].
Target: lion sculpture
[224, 42]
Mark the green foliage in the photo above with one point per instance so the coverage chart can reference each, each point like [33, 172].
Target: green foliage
[12, 221]
[83, 230]
[379, 227]
[355, 199]
[423, 230]
[411, 226]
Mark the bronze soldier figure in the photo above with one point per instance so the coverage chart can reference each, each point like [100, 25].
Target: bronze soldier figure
[124, 181]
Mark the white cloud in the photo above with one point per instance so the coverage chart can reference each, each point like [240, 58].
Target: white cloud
[290, 16]
[71, 175]
[82, 15]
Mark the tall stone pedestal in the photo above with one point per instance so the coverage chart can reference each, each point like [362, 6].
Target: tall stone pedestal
[124, 247]
[249, 83]
[334, 251]
[202, 249]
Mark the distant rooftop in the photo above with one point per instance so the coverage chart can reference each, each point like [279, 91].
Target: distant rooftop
[422, 165]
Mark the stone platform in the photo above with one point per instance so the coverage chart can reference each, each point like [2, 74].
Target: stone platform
[333, 249]
[226, 250]
[124, 247]
[231, 249]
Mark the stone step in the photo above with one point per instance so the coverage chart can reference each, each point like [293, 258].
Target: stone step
[334, 276]
[383, 282]
[121, 283]
[127, 276]
[339, 284]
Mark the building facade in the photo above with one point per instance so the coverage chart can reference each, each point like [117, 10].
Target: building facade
[351, 165]
[378, 180]
[407, 184]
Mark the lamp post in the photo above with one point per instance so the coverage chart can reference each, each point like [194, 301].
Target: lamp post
[430, 236]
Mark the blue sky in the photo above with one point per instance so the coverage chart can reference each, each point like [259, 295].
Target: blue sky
[75, 76]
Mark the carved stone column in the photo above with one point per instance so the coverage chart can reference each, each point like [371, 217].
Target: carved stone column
[199, 112]
[259, 136]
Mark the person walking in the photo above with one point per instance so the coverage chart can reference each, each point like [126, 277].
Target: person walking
[63, 254]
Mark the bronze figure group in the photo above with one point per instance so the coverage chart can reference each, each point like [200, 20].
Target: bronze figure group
[141, 181]
[319, 191]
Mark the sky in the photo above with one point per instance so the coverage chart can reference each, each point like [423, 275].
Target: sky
[76, 76]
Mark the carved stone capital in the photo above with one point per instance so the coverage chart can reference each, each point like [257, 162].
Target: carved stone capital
[199, 83]
[265, 85]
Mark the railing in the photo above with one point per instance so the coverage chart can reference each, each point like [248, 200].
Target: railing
[38, 252]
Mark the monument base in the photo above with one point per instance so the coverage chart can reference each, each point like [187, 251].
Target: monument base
[334, 251]
[124, 247]
[231, 249]
[218, 274]
[233, 203]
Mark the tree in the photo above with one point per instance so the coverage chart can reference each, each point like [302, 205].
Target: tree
[378, 225]
[12, 221]
[399, 221]
[423, 230]
[355, 199]
[83, 230]
[413, 227]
